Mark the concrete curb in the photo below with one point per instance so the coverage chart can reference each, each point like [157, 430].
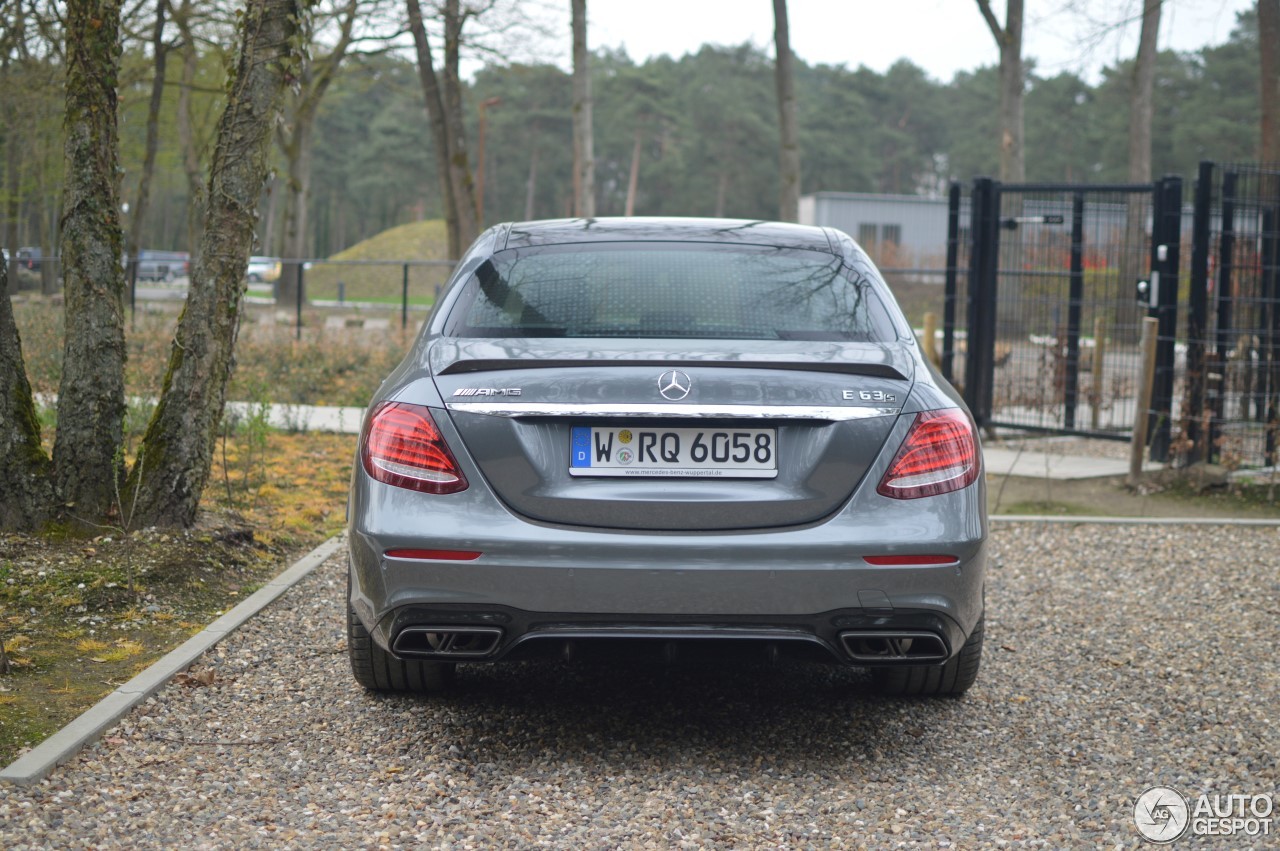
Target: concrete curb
[1137, 521]
[36, 764]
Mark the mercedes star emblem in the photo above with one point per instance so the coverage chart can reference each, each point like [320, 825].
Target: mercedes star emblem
[674, 385]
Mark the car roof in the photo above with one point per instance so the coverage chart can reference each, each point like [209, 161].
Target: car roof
[669, 229]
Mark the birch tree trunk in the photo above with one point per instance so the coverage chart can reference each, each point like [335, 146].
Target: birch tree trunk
[86, 456]
[584, 160]
[789, 132]
[176, 453]
[1009, 40]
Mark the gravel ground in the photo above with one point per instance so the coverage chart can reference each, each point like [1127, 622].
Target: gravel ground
[1117, 658]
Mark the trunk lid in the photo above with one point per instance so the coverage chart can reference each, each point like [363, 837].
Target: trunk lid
[826, 407]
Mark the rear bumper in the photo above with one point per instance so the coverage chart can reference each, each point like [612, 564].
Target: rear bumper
[848, 636]
[541, 585]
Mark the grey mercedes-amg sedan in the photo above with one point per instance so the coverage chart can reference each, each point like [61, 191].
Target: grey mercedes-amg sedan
[673, 437]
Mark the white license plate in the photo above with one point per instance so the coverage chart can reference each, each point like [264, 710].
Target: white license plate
[728, 453]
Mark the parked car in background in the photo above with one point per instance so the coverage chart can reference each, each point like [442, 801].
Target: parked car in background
[667, 436]
[30, 258]
[262, 270]
[163, 265]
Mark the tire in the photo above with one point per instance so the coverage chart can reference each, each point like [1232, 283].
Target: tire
[950, 679]
[377, 670]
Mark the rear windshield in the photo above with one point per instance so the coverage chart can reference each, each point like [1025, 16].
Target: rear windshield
[681, 290]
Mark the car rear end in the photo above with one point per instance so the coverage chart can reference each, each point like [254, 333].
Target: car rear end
[668, 443]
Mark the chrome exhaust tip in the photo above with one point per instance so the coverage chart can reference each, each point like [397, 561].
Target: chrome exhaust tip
[447, 642]
[884, 647]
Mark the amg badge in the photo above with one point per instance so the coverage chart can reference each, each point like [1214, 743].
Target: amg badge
[487, 391]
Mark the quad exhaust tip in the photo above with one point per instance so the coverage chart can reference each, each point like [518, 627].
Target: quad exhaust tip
[884, 647]
[447, 642]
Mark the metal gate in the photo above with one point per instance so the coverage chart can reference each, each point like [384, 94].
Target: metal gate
[1059, 277]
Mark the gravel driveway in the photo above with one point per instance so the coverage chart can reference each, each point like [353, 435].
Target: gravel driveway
[1118, 657]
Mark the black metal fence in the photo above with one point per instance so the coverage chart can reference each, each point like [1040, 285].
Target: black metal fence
[1052, 321]
[1042, 317]
[1231, 385]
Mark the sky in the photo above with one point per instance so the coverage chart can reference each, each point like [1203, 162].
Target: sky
[940, 36]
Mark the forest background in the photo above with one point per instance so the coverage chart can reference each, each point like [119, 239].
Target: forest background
[701, 129]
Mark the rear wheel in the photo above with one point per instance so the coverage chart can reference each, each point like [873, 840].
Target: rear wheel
[377, 670]
[952, 678]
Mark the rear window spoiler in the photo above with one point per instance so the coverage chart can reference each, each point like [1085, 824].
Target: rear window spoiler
[877, 370]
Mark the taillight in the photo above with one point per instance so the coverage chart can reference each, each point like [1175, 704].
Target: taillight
[401, 446]
[939, 455]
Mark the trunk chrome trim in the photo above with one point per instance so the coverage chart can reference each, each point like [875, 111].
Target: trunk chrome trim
[832, 413]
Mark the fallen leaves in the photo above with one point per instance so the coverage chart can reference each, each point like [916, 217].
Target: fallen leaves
[204, 678]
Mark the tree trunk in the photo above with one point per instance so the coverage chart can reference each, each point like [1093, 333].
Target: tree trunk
[633, 181]
[1141, 105]
[12, 204]
[295, 142]
[1009, 40]
[1141, 109]
[176, 453]
[24, 467]
[186, 131]
[160, 52]
[1269, 90]
[531, 186]
[297, 187]
[584, 159]
[87, 455]
[464, 191]
[439, 132]
[789, 142]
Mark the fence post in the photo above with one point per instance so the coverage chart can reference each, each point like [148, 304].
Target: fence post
[1071, 383]
[1198, 314]
[297, 317]
[952, 281]
[929, 338]
[984, 210]
[404, 299]
[1271, 309]
[1099, 355]
[1166, 245]
[1150, 339]
[1225, 301]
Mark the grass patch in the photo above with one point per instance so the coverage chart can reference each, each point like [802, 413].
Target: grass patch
[335, 366]
[1047, 508]
[74, 627]
[373, 270]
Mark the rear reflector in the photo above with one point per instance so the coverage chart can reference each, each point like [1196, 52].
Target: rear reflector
[939, 455]
[401, 446]
[434, 555]
[911, 560]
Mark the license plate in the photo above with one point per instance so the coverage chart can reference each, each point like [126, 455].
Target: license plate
[727, 453]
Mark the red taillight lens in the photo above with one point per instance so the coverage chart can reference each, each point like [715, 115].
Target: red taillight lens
[939, 455]
[401, 446]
